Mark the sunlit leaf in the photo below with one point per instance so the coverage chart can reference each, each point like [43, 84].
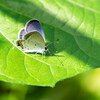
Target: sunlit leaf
[72, 28]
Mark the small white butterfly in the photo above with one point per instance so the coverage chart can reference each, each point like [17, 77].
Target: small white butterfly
[31, 38]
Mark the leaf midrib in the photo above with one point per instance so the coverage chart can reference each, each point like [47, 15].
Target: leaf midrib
[23, 52]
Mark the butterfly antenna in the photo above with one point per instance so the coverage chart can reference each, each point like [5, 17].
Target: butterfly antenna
[51, 43]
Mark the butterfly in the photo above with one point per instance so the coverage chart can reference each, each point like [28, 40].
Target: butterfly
[32, 38]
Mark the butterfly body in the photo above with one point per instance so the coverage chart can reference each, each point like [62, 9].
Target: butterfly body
[31, 39]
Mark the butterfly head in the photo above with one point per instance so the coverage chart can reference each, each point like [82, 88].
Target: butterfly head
[46, 48]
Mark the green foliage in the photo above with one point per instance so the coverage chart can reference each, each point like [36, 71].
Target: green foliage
[73, 24]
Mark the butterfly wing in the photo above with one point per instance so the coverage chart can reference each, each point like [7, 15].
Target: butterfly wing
[21, 33]
[34, 25]
[33, 42]
[31, 38]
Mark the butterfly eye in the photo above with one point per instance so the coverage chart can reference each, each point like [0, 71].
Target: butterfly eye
[46, 48]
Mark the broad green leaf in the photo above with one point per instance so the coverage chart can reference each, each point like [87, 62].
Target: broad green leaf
[72, 26]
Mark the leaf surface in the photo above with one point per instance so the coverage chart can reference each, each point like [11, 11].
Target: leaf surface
[71, 26]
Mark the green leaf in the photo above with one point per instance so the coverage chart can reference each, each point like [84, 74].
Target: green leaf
[71, 26]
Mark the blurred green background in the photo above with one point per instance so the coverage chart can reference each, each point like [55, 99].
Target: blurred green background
[85, 86]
